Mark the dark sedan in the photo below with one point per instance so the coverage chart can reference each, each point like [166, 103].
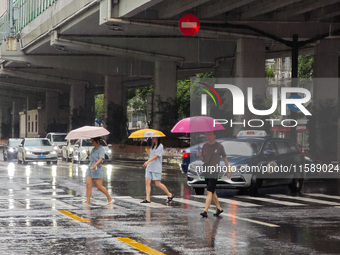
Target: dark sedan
[10, 150]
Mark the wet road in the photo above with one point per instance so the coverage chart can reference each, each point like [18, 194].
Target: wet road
[41, 213]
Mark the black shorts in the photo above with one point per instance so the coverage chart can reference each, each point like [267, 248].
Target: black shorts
[211, 184]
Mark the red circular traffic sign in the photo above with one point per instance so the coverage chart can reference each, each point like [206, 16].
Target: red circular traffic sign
[189, 24]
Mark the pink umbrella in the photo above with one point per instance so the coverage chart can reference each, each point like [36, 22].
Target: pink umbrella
[197, 124]
[87, 132]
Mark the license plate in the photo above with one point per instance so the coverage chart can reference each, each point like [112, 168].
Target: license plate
[41, 156]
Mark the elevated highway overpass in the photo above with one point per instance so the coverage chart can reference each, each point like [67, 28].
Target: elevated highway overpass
[71, 50]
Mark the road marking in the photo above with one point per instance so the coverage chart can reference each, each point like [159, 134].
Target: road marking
[202, 205]
[322, 195]
[231, 201]
[73, 216]
[56, 204]
[139, 246]
[49, 190]
[306, 199]
[137, 201]
[270, 200]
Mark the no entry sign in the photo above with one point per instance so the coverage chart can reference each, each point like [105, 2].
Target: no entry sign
[189, 24]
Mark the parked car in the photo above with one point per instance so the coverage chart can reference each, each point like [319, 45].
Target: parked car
[83, 145]
[10, 150]
[37, 149]
[67, 150]
[58, 140]
[246, 153]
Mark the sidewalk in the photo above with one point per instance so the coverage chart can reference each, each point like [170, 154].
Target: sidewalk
[122, 151]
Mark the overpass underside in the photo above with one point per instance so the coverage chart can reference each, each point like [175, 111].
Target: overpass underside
[62, 53]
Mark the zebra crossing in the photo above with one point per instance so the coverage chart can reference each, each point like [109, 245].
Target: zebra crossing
[61, 201]
[308, 199]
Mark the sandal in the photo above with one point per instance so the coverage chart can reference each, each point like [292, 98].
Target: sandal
[145, 201]
[170, 199]
[111, 202]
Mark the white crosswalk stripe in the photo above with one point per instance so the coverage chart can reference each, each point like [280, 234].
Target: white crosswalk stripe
[58, 205]
[231, 201]
[137, 201]
[202, 205]
[270, 200]
[306, 199]
[184, 201]
[322, 195]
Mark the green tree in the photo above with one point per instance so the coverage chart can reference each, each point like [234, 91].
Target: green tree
[269, 72]
[305, 66]
[183, 98]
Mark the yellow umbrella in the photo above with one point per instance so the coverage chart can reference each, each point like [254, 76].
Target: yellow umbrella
[143, 133]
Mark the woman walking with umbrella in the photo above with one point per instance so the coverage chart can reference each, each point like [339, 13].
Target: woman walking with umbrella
[97, 155]
[153, 171]
[95, 172]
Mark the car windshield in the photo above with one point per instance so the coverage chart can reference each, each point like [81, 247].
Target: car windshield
[86, 142]
[14, 143]
[59, 138]
[103, 143]
[40, 142]
[242, 148]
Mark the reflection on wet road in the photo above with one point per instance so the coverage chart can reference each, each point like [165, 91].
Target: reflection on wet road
[41, 213]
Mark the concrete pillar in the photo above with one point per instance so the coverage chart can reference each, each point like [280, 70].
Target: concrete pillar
[114, 92]
[249, 68]
[326, 91]
[1, 121]
[90, 106]
[52, 111]
[77, 100]
[165, 88]
[15, 118]
[13, 115]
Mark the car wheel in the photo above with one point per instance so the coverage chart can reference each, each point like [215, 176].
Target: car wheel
[254, 186]
[199, 191]
[296, 185]
[55, 162]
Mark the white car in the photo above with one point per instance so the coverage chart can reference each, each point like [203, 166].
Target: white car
[83, 145]
[67, 150]
[57, 140]
[37, 149]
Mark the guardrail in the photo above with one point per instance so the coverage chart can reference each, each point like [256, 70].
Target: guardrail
[24, 11]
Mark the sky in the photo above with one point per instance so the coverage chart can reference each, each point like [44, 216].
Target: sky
[3, 5]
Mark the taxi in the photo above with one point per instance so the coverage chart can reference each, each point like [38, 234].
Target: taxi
[255, 161]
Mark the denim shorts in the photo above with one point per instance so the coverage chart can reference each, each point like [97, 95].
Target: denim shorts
[95, 174]
[153, 176]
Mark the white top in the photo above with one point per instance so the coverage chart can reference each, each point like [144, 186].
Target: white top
[156, 165]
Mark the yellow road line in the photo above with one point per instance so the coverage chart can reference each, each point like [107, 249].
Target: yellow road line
[139, 246]
[73, 216]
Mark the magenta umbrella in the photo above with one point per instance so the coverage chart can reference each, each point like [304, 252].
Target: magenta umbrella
[87, 132]
[197, 124]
